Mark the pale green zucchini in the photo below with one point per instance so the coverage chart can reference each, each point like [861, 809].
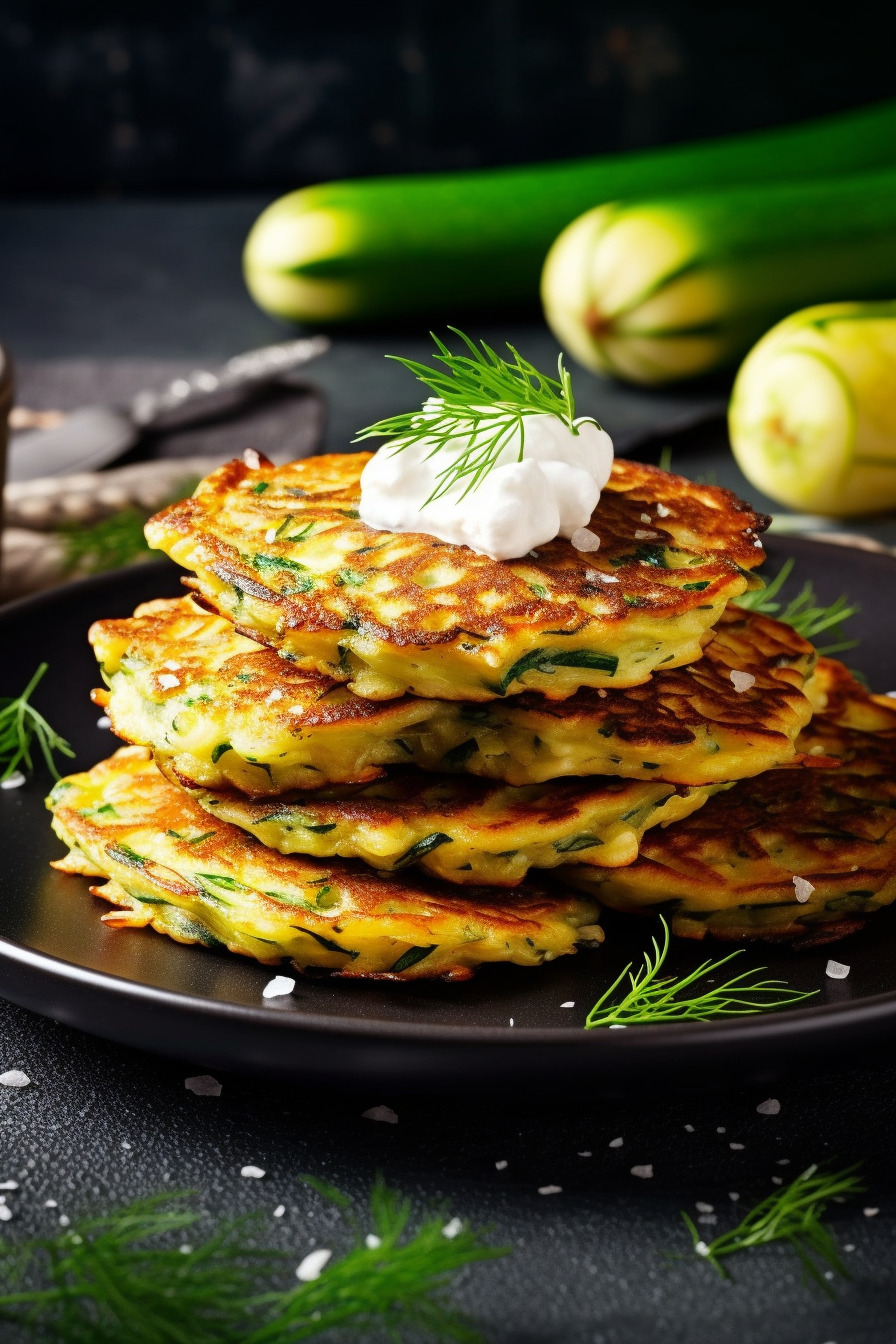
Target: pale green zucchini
[813, 413]
[673, 287]
[350, 250]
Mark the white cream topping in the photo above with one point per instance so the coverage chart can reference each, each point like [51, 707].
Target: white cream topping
[518, 506]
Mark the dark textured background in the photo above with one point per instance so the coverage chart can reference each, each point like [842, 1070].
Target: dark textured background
[590, 1265]
[196, 95]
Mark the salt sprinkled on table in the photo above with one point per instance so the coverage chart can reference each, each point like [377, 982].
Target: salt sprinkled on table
[279, 986]
[14, 1078]
[252, 1173]
[13, 781]
[384, 1113]
[310, 1268]
[770, 1107]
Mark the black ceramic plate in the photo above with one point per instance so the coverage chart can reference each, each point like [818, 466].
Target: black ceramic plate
[505, 1027]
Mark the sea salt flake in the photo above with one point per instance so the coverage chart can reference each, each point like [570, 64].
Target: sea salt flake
[570, 1003]
[104, 721]
[835, 970]
[646, 518]
[777, 1180]
[64, 1220]
[186, 1249]
[720, 1129]
[742, 681]
[583, 540]
[782, 1162]
[276, 988]
[703, 1208]
[384, 1113]
[602, 693]
[252, 458]
[617, 1026]
[709, 1219]
[641, 534]
[14, 1078]
[275, 695]
[501, 1166]
[871, 1213]
[689, 1129]
[311, 1267]
[701, 1248]
[252, 1173]
[661, 511]
[372, 1241]
[13, 781]
[849, 1246]
[615, 1143]
[50, 1204]
[733, 1196]
[280, 1210]
[803, 889]
[204, 1085]
[550, 1189]
[451, 1228]
[737, 1147]
[9, 1185]
[644, 1171]
[770, 1107]
[585, 1153]
[168, 681]
[610, 578]
[125, 1145]
[5, 1213]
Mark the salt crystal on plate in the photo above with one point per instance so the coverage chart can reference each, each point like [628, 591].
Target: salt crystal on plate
[646, 518]
[701, 1248]
[5, 1213]
[550, 1189]
[615, 1143]
[253, 1173]
[384, 1113]
[645, 1171]
[14, 1078]
[280, 985]
[280, 1210]
[871, 1213]
[104, 721]
[64, 1220]
[835, 970]
[570, 1003]
[803, 889]
[742, 681]
[501, 1166]
[585, 1153]
[252, 458]
[689, 1128]
[310, 1268]
[451, 1228]
[50, 1204]
[733, 1196]
[186, 1249]
[703, 1208]
[276, 694]
[13, 781]
[203, 1086]
[662, 511]
[372, 1241]
[9, 1185]
[770, 1107]
[641, 534]
[583, 540]
[737, 1147]
[777, 1180]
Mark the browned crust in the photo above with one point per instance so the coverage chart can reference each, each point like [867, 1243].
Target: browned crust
[708, 523]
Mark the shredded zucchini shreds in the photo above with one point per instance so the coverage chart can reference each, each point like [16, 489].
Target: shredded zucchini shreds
[792, 1214]
[650, 999]
[21, 726]
[481, 398]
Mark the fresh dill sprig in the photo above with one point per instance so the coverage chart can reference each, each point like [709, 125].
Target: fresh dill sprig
[652, 999]
[21, 726]
[802, 612]
[482, 399]
[130, 1276]
[792, 1214]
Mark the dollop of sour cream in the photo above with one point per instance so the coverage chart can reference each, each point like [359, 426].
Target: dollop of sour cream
[517, 506]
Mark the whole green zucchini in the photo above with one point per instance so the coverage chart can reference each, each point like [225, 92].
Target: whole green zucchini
[673, 287]
[378, 247]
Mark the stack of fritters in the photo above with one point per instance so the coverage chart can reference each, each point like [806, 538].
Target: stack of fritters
[353, 746]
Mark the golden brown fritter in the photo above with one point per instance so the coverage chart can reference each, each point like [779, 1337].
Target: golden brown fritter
[198, 879]
[281, 552]
[228, 713]
[829, 821]
[462, 829]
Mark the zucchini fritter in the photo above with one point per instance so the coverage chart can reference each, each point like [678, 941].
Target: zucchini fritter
[829, 820]
[461, 829]
[227, 713]
[203, 881]
[280, 551]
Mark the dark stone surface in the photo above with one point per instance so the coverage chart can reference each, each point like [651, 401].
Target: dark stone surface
[589, 1264]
